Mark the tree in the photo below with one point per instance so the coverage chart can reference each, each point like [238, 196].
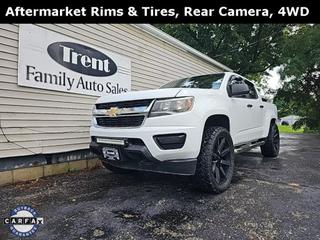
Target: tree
[251, 49]
[300, 94]
[248, 49]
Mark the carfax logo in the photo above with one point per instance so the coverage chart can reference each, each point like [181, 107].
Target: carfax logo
[23, 221]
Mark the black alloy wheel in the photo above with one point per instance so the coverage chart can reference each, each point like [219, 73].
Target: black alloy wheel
[271, 147]
[221, 160]
[276, 138]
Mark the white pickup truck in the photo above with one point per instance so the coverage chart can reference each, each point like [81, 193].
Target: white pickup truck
[191, 126]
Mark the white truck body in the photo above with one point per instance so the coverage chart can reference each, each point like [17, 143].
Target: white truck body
[248, 118]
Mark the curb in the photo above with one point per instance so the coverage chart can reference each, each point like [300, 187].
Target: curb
[31, 173]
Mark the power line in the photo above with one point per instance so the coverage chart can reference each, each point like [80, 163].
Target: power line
[23, 147]
[40, 131]
[2, 131]
[12, 142]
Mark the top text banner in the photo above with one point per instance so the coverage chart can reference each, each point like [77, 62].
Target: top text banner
[162, 12]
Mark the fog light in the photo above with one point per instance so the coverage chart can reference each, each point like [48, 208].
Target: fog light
[170, 141]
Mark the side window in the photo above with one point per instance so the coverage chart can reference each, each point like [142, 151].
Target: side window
[252, 91]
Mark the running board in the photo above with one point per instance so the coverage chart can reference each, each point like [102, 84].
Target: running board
[246, 147]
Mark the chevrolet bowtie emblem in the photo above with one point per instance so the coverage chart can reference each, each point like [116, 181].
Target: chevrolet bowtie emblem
[112, 112]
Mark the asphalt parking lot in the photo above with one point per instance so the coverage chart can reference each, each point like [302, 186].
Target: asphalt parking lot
[268, 199]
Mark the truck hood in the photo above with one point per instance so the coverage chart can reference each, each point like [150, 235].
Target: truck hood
[197, 92]
[136, 95]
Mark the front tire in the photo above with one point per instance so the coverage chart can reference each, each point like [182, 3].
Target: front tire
[272, 144]
[215, 164]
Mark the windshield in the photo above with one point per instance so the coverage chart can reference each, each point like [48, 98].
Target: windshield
[212, 81]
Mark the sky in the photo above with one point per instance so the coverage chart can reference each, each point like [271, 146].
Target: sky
[273, 81]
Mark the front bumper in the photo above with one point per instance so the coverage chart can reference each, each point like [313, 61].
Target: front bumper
[136, 156]
[182, 123]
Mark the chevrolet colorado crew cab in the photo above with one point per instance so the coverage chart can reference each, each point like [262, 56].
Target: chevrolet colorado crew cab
[191, 126]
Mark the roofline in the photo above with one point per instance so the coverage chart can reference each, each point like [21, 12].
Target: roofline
[177, 43]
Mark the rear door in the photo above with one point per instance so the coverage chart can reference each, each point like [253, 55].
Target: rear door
[258, 111]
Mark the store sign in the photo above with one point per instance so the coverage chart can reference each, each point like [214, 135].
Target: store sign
[53, 61]
[82, 59]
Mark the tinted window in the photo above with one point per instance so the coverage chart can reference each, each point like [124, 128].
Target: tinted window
[212, 81]
[252, 90]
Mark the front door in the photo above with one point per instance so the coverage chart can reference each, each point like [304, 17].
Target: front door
[244, 126]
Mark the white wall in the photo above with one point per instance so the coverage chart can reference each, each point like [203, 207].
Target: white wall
[41, 121]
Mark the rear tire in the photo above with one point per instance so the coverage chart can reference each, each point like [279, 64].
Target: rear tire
[116, 169]
[215, 163]
[272, 144]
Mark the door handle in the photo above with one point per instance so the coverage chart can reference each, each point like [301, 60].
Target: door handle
[261, 106]
[249, 106]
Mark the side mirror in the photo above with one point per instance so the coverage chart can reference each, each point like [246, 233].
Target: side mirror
[238, 89]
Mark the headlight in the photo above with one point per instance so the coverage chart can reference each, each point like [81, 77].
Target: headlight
[171, 106]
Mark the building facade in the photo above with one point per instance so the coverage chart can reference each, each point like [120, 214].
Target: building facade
[40, 121]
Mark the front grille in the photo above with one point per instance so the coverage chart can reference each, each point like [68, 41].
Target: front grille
[126, 104]
[127, 121]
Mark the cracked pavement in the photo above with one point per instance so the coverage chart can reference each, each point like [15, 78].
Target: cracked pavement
[268, 199]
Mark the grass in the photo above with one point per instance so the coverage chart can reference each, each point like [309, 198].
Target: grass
[289, 129]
